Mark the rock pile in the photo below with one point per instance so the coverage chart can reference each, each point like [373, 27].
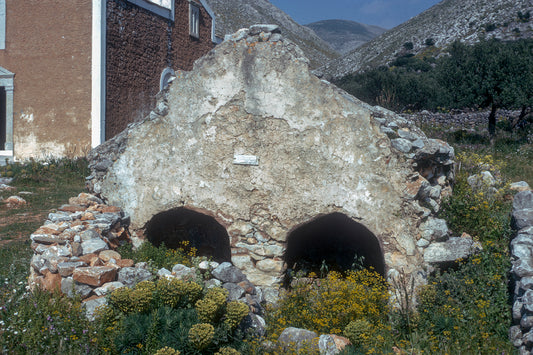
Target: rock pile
[521, 333]
[74, 251]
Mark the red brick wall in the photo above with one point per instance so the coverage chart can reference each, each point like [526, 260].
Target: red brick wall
[48, 48]
[140, 45]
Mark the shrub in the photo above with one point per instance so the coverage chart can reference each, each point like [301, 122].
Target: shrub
[429, 42]
[167, 351]
[201, 335]
[359, 332]
[408, 45]
[227, 351]
[235, 313]
[157, 257]
[328, 305]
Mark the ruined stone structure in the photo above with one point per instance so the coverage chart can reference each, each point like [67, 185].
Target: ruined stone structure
[71, 70]
[257, 161]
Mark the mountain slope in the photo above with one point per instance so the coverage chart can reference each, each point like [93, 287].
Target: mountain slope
[343, 35]
[232, 15]
[449, 20]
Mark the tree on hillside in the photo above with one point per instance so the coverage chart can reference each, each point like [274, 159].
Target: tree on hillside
[490, 74]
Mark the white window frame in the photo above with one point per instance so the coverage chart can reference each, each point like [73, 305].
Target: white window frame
[194, 19]
[157, 7]
[6, 81]
[2, 24]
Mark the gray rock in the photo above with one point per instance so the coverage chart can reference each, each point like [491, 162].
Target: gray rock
[401, 144]
[54, 251]
[66, 268]
[522, 218]
[276, 37]
[418, 144]
[527, 339]
[107, 288]
[213, 283]
[92, 305]
[59, 217]
[257, 29]
[226, 272]
[422, 243]
[526, 283]
[434, 229]
[183, 272]
[164, 273]
[93, 246]
[515, 335]
[519, 186]
[526, 322]
[71, 288]
[447, 252]
[523, 200]
[234, 291]
[270, 295]
[409, 135]
[130, 276]
[256, 323]
[38, 262]
[47, 239]
[327, 346]
[297, 338]
[527, 300]
[517, 311]
[208, 265]
[89, 234]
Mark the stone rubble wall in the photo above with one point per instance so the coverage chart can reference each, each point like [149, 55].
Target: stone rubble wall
[319, 151]
[75, 252]
[521, 333]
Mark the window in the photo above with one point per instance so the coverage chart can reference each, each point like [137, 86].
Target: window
[194, 19]
[2, 24]
[6, 112]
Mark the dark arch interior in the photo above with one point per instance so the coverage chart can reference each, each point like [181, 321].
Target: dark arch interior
[202, 231]
[336, 240]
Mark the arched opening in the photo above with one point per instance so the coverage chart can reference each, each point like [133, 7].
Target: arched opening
[203, 232]
[332, 242]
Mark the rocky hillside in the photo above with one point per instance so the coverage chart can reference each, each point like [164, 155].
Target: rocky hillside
[233, 15]
[343, 35]
[449, 20]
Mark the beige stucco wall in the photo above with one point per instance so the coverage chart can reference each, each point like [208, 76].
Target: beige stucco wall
[48, 48]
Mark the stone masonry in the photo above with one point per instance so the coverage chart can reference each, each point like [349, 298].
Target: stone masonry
[251, 138]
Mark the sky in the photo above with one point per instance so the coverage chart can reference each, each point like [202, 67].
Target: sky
[383, 13]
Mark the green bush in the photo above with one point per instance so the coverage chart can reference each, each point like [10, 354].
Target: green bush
[201, 335]
[157, 257]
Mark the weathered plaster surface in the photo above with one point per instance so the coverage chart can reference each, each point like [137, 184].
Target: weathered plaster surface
[319, 151]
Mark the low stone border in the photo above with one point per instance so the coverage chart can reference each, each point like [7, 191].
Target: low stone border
[521, 333]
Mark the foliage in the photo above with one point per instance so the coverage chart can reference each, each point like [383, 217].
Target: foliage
[466, 310]
[165, 317]
[490, 74]
[158, 257]
[39, 322]
[327, 305]
[201, 335]
[482, 213]
[359, 332]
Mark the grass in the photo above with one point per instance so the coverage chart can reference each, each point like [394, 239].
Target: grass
[464, 310]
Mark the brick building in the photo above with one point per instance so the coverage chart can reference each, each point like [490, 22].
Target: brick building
[74, 73]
